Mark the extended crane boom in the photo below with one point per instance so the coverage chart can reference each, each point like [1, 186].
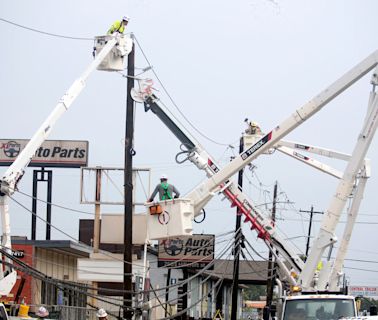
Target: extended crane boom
[201, 158]
[110, 53]
[218, 179]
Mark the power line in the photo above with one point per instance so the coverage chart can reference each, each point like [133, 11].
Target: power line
[44, 32]
[54, 204]
[85, 245]
[360, 269]
[174, 103]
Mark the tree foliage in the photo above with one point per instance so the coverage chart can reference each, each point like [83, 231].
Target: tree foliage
[254, 292]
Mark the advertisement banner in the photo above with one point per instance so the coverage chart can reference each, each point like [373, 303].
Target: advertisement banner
[52, 153]
[365, 291]
[194, 251]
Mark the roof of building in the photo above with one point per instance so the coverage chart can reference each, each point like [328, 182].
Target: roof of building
[62, 246]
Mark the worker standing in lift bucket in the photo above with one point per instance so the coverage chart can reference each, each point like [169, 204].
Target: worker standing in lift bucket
[165, 190]
[252, 127]
[119, 26]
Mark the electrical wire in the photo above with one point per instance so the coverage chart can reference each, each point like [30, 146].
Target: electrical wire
[85, 245]
[54, 204]
[25, 268]
[69, 236]
[217, 285]
[44, 32]
[173, 102]
[200, 272]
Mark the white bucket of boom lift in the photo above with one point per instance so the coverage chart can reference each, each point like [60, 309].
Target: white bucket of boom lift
[175, 219]
[114, 61]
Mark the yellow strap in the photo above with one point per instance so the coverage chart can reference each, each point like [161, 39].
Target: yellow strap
[218, 315]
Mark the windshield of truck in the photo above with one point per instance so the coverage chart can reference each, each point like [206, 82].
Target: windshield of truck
[318, 309]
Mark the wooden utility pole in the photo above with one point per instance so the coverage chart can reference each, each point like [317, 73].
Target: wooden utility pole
[96, 227]
[271, 264]
[238, 235]
[128, 192]
[311, 212]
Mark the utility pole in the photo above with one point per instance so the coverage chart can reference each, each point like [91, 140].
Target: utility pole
[128, 191]
[311, 212]
[168, 282]
[96, 226]
[96, 231]
[271, 265]
[238, 236]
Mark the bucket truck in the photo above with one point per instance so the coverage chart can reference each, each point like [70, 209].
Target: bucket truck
[183, 211]
[110, 52]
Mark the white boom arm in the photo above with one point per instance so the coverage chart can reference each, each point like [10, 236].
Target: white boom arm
[263, 225]
[311, 162]
[17, 169]
[326, 235]
[315, 150]
[330, 277]
[218, 181]
[323, 279]
[8, 183]
[203, 193]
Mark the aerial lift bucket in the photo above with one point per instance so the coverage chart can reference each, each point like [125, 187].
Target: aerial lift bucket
[114, 61]
[169, 218]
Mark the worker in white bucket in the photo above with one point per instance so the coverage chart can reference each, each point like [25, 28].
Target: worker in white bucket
[165, 190]
[252, 127]
[119, 26]
[101, 314]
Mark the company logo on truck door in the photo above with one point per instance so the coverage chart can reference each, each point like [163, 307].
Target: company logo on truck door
[256, 146]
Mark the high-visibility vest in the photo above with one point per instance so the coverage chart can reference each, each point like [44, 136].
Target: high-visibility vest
[117, 26]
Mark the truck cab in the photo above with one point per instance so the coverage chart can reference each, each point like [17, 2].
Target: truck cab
[319, 307]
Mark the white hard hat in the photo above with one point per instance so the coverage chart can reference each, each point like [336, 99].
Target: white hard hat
[163, 177]
[126, 18]
[42, 312]
[254, 124]
[101, 313]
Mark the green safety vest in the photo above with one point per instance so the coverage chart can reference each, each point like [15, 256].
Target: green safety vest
[117, 26]
[166, 194]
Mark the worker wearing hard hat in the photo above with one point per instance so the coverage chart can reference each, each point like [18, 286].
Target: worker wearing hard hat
[165, 190]
[253, 128]
[119, 26]
[101, 314]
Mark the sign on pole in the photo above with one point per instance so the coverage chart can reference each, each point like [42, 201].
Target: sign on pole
[194, 251]
[52, 153]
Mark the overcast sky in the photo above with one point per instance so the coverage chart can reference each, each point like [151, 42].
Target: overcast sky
[221, 62]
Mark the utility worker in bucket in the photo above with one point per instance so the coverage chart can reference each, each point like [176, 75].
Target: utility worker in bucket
[165, 190]
[119, 26]
[252, 127]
